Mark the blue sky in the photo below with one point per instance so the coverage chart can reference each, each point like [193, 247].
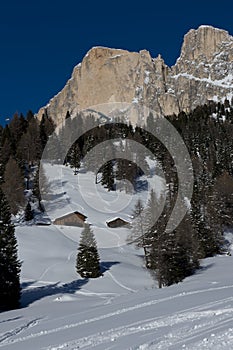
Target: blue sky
[42, 41]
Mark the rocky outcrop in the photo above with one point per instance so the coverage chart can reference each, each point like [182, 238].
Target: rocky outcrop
[204, 71]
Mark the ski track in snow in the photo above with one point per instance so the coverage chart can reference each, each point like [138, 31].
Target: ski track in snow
[10, 319]
[4, 338]
[47, 270]
[183, 334]
[112, 276]
[54, 265]
[179, 337]
[208, 320]
[119, 283]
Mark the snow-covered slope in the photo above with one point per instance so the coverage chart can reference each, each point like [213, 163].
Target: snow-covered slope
[121, 310]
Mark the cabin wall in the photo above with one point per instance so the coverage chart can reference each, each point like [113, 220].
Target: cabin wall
[118, 223]
[72, 220]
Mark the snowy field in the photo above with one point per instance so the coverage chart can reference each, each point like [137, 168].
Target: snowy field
[122, 310]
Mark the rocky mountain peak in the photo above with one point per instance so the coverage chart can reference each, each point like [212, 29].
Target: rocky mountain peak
[203, 42]
[201, 73]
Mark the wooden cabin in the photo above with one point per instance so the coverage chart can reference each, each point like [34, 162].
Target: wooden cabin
[117, 222]
[71, 219]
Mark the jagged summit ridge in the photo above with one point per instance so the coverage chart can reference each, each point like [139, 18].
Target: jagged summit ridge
[201, 73]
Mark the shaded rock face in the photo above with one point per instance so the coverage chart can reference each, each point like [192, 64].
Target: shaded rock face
[204, 71]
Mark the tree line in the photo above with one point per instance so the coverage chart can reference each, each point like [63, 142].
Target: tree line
[21, 142]
[207, 132]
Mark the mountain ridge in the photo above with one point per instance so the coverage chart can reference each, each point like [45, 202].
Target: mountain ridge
[202, 72]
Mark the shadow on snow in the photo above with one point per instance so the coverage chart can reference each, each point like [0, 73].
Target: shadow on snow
[31, 294]
[106, 265]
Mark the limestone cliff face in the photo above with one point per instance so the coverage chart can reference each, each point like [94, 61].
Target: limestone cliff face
[203, 71]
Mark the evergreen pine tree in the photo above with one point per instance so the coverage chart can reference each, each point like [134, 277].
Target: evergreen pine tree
[107, 179]
[53, 150]
[29, 146]
[2, 170]
[87, 262]
[9, 263]
[204, 221]
[74, 157]
[13, 186]
[138, 226]
[29, 116]
[46, 128]
[43, 134]
[140, 231]
[28, 213]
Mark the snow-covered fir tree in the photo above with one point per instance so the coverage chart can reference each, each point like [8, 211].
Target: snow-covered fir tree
[140, 230]
[138, 225]
[9, 263]
[88, 261]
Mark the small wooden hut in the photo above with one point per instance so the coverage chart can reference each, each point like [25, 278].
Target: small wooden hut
[71, 219]
[117, 222]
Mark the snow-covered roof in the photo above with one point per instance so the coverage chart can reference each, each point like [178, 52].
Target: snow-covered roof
[116, 218]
